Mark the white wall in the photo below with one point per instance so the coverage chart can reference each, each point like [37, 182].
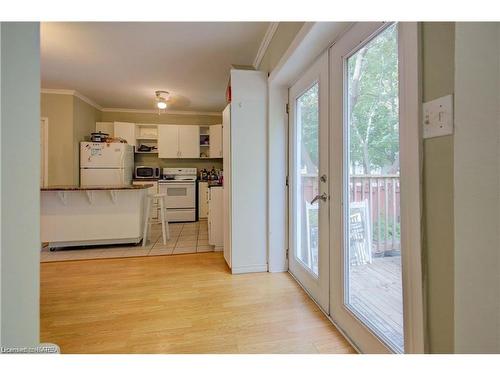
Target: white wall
[476, 179]
[248, 171]
[20, 194]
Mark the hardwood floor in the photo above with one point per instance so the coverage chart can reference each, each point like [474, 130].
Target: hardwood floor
[178, 304]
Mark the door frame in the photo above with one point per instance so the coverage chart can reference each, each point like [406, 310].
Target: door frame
[312, 39]
[410, 179]
[44, 133]
[316, 285]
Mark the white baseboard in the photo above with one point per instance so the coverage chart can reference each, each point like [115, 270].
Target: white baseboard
[278, 269]
[249, 269]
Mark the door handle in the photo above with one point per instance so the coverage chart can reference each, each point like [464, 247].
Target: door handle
[323, 197]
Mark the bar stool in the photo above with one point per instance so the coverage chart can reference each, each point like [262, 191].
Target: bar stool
[150, 200]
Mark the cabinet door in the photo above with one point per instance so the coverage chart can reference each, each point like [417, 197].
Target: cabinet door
[105, 127]
[203, 200]
[215, 209]
[216, 141]
[125, 130]
[189, 141]
[168, 141]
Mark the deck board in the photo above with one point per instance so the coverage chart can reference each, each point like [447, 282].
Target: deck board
[376, 293]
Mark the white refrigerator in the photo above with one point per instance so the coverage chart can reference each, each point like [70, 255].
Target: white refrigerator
[106, 163]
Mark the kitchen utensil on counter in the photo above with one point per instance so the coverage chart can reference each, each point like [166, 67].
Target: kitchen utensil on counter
[98, 137]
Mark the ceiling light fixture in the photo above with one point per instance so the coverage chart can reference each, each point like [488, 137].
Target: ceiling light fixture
[162, 97]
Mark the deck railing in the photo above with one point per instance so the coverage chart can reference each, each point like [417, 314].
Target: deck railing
[382, 195]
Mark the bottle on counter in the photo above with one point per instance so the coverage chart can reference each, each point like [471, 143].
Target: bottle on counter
[204, 174]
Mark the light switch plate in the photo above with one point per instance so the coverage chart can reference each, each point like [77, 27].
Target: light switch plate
[438, 117]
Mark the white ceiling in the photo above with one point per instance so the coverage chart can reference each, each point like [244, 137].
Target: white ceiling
[121, 64]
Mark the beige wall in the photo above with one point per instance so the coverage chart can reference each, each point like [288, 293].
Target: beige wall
[153, 118]
[20, 184]
[476, 182]
[71, 120]
[438, 41]
[84, 118]
[59, 111]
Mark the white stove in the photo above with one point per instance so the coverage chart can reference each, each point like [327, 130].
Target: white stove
[179, 174]
[179, 185]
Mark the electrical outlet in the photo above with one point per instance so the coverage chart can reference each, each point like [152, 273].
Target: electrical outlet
[438, 117]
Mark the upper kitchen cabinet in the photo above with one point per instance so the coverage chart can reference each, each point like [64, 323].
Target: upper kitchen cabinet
[168, 141]
[125, 130]
[189, 141]
[178, 141]
[105, 127]
[215, 141]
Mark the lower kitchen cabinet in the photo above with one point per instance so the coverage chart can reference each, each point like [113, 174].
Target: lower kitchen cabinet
[202, 200]
[215, 217]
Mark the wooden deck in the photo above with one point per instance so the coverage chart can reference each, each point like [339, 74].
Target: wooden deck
[376, 294]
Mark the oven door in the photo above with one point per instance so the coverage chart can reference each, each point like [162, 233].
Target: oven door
[179, 194]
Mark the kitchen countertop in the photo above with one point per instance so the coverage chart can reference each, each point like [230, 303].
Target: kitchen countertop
[145, 179]
[100, 187]
[214, 184]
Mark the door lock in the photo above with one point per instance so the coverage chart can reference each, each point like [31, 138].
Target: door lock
[323, 197]
[323, 178]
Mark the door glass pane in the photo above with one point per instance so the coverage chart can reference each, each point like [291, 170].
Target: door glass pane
[373, 242]
[306, 170]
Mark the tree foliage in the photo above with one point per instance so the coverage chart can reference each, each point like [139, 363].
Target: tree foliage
[373, 106]
[307, 111]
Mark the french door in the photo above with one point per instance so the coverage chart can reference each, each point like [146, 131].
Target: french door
[309, 182]
[367, 289]
[354, 206]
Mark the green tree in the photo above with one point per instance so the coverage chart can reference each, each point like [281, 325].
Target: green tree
[373, 105]
[307, 107]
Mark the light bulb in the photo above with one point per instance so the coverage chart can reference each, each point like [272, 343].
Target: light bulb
[161, 105]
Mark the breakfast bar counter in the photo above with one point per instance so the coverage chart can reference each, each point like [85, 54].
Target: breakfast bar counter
[92, 215]
[98, 187]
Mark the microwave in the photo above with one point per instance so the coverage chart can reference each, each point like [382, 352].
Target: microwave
[145, 172]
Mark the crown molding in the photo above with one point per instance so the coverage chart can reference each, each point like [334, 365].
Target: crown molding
[127, 110]
[265, 43]
[167, 112]
[73, 93]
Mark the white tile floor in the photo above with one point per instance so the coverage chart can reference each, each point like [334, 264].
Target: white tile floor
[184, 238]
